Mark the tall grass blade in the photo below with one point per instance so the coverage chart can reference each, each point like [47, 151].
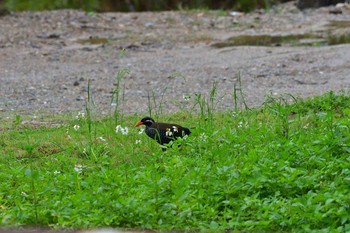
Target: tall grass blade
[88, 105]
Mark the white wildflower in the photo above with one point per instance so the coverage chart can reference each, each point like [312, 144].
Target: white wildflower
[137, 141]
[76, 127]
[141, 131]
[175, 128]
[80, 115]
[241, 125]
[68, 136]
[124, 131]
[203, 137]
[117, 128]
[102, 139]
[186, 97]
[56, 172]
[78, 168]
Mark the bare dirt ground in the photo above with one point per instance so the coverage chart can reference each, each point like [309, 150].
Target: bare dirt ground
[47, 58]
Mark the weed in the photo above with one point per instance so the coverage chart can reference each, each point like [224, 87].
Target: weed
[153, 106]
[17, 121]
[281, 108]
[88, 105]
[238, 96]
[115, 101]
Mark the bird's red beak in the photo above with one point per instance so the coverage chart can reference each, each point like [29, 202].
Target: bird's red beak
[139, 123]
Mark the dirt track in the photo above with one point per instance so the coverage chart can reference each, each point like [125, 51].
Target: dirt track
[47, 58]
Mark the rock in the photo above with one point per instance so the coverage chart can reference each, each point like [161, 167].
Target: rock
[235, 13]
[79, 98]
[50, 35]
[335, 10]
[149, 25]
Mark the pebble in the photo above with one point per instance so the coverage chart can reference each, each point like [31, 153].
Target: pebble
[79, 98]
[149, 25]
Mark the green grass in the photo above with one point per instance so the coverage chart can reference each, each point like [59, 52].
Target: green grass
[282, 167]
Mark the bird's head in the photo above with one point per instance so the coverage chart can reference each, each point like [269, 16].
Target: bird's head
[147, 121]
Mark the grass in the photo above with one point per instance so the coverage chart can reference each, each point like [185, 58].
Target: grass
[282, 167]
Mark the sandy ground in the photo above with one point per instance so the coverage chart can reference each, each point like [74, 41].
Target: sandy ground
[47, 58]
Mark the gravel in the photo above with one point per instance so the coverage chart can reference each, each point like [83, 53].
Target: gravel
[48, 58]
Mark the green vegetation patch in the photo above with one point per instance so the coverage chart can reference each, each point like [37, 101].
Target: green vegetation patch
[282, 167]
[279, 40]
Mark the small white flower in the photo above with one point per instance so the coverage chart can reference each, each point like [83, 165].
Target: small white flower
[68, 136]
[203, 137]
[117, 128]
[80, 115]
[78, 168]
[241, 124]
[56, 172]
[137, 141]
[141, 131]
[175, 128]
[76, 127]
[186, 97]
[124, 131]
[102, 139]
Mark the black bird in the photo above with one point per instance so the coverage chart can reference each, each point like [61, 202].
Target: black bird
[163, 132]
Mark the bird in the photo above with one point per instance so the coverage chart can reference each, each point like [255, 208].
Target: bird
[163, 133]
